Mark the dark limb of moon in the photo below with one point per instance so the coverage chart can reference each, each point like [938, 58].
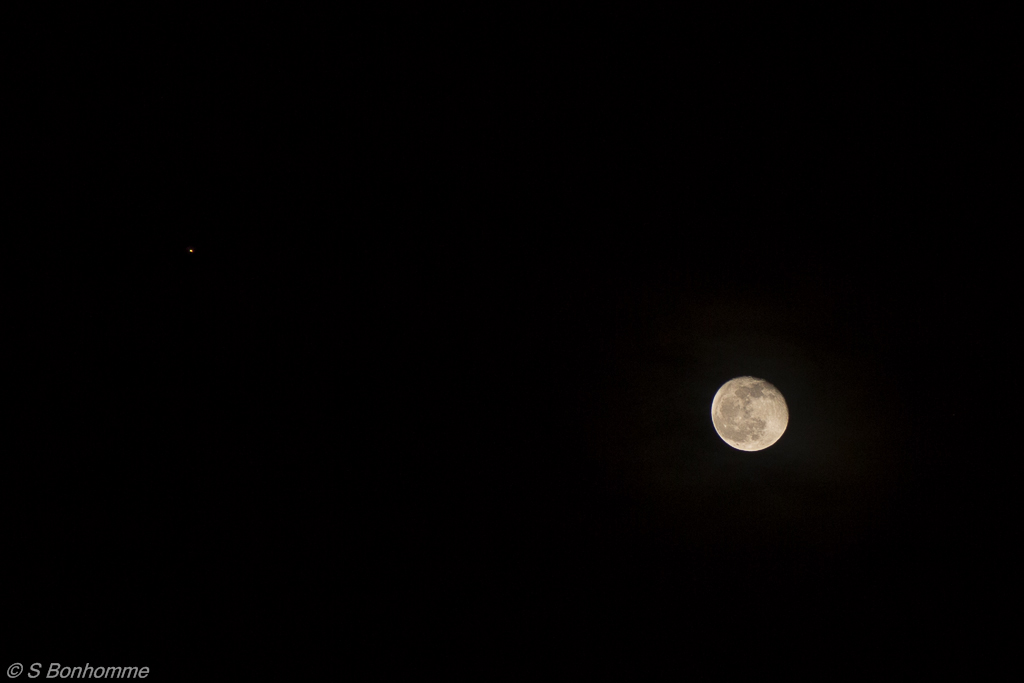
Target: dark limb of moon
[749, 413]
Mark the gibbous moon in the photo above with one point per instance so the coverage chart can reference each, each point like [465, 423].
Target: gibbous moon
[749, 413]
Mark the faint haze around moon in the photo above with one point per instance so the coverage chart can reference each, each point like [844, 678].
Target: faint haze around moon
[749, 413]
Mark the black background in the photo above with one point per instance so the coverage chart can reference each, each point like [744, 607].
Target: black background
[433, 383]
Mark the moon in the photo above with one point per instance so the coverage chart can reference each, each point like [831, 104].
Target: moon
[749, 413]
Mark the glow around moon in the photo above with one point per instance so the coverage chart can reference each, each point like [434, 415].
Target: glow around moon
[749, 413]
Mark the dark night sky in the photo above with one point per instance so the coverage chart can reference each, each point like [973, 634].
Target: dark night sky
[435, 383]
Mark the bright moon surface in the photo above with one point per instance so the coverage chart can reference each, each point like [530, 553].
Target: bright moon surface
[749, 413]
